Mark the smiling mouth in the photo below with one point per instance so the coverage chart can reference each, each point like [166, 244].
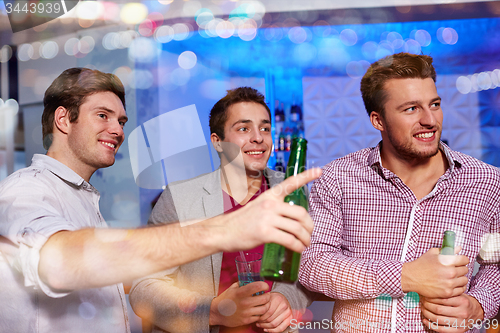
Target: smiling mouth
[109, 144]
[254, 152]
[424, 135]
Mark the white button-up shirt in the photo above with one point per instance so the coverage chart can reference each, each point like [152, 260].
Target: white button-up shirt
[35, 203]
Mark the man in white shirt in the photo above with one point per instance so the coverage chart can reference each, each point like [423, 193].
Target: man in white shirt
[60, 267]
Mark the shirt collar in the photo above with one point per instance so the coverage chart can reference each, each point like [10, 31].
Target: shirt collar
[57, 168]
[375, 160]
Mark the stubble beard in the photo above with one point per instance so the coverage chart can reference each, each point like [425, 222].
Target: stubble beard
[407, 152]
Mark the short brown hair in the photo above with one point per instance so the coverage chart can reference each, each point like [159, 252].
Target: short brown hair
[218, 114]
[398, 66]
[70, 89]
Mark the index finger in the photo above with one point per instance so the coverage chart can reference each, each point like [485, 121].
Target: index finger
[295, 182]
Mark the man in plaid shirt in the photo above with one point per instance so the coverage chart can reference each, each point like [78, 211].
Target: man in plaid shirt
[380, 214]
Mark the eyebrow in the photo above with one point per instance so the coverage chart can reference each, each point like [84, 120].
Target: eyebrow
[436, 99]
[103, 108]
[248, 121]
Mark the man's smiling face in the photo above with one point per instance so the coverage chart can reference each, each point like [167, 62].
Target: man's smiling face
[94, 138]
[248, 126]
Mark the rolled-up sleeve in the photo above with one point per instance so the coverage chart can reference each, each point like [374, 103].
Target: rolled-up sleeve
[29, 216]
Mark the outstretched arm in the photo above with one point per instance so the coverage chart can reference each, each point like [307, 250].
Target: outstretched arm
[90, 258]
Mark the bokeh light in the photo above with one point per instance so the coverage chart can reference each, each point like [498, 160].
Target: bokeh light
[225, 29]
[140, 79]
[143, 50]
[464, 85]
[111, 11]
[119, 40]
[384, 49]
[71, 46]
[369, 50]
[37, 52]
[123, 74]
[89, 10]
[273, 33]
[248, 30]
[304, 53]
[357, 69]
[49, 50]
[86, 44]
[187, 60]
[348, 37]
[181, 31]
[203, 16]
[297, 35]
[133, 13]
[478, 82]
[25, 52]
[147, 27]
[179, 77]
[164, 34]
[395, 39]
[423, 37]
[5, 53]
[447, 36]
[412, 46]
[190, 8]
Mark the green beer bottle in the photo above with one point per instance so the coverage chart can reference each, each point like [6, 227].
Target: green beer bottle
[279, 263]
[448, 247]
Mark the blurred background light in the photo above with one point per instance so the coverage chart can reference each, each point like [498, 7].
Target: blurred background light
[273, 33]
[348, 37]
[423, 37]
[225, 29]
[190, 8]
[357, 69]
[297, 35]
[71, 46]
[478, 81]
[304, 53]
[146, 28]
[463, 85]
[140, 79]
[203, 16]
[25, 52]
[111, 11]
[123, 74]
[187, 60]
[248, 30]
[86, 44]
[143, 50]
[49, 50]
[89, 10]
[447, 36]
[164, 34]
[395, 39]
[37, 52]
[133, 13]
[5, 53]
[369, 50]
[180, 77]
[384, 48]
[181, 31]
[412, 46]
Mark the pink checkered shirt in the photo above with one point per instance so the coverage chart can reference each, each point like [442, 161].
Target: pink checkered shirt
[368, 223]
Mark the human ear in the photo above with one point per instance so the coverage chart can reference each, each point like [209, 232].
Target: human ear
[216, 141]
[61, 119]
[377, 120]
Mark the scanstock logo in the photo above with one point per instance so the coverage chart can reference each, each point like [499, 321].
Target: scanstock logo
[28, 14]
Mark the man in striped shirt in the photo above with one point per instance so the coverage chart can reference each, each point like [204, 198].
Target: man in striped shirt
[380, 214]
